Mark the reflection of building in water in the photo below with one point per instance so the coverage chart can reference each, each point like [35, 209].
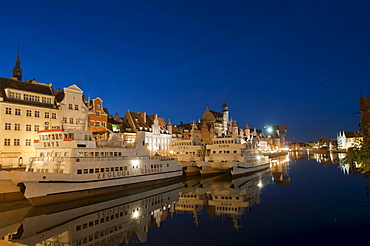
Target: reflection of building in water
[223, 196]
[109, 222]
[280, 170]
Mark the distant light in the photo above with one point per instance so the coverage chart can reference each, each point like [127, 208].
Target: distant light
[269, 129]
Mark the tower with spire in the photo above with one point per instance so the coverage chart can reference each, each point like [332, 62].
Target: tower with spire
[17, 71]
[225, 115]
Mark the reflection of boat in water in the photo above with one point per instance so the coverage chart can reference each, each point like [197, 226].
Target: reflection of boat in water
[223, 195]
[71, 164]
[108, 222]
[280, 170]
[12, 215]
[8, 190]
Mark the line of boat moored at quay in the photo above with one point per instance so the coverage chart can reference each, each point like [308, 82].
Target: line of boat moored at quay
[72, 164]
[233, 155]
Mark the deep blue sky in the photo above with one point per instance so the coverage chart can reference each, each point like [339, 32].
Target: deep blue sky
[302, 64]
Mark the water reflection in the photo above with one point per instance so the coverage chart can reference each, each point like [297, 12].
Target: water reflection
[125, 218]
[222, 196]
[98, 221]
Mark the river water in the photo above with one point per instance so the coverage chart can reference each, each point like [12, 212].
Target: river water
[297, 202]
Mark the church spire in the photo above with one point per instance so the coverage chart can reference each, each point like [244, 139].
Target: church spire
[17, 71]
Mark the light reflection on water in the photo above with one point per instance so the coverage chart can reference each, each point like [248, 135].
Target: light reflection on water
[279, 205]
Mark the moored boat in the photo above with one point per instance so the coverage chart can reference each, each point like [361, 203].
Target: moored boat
[72, 164]
[232, 155]
[188, 152]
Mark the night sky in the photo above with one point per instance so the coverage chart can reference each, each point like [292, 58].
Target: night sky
[302, 64]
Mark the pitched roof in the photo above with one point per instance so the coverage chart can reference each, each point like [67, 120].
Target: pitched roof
[27, 86]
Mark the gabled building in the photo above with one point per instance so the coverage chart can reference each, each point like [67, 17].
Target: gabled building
[97, 118]
[347, 140]
[158, 134]
[73, 107]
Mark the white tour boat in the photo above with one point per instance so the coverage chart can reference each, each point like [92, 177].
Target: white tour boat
[233, 155]
[188, 152]
[72, 164]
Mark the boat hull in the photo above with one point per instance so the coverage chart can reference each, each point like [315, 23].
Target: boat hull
[240, 170]
[8, 189]
[40, 192]
[190, 168]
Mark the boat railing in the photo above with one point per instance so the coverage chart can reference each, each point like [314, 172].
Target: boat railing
[96, 158]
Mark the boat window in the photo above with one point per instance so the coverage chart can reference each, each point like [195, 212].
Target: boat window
[96, 170]
[96, 154]
[102, 170]
[125, 168]
[79, 171]
[60, 136]
[107, 169]
[86, 171]
[112, 169]
[91, 170]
